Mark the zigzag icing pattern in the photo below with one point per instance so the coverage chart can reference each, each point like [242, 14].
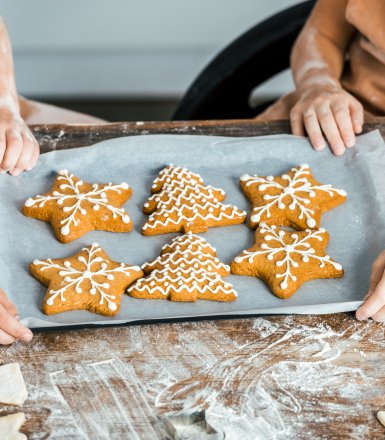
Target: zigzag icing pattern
[187, 264]
[181, 199]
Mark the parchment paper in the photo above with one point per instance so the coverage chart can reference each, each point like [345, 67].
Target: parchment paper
[356, 228]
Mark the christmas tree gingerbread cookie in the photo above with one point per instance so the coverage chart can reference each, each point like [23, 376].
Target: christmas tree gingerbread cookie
[74, 207]
[181, 202]
[187, 269]
[294, 199]
[88, 280]
[286, 259]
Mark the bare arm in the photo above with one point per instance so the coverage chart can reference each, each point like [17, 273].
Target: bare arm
[19, 150]
[17, 147]
[324, 109]
[8, 94]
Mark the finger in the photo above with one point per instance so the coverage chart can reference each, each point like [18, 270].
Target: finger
[11, 326]
[374, 303]
[5, 338]
[34, 158]
[13, 150]
[357, 115]
[380, 315]
[3, 144]
[378, 269]
[330, 129]
[25, 156]
[345, 125]
[296, 123]
[7, 304]
[313, 129]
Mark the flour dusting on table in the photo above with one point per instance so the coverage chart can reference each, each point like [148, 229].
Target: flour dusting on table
[259, 379]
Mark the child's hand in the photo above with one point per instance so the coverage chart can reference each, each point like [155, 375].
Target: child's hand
[328, 112]
[19, 149]
[374, 302]
[10, 327]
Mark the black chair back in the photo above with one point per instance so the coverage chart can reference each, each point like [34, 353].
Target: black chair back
[222, 90]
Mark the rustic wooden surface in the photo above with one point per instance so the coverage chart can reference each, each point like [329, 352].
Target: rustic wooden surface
[53, 137]
[293, 377]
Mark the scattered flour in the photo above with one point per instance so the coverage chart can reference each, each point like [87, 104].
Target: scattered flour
[280, 380]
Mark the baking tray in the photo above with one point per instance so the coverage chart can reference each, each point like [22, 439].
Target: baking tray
[356, 228]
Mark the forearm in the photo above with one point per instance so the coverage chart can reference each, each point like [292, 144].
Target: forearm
[318, 55]
[316, 61]
[8, 93]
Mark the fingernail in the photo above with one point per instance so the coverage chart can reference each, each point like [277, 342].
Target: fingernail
[360, 315]
[27, 336]
[339, 152]
[2, 171]
[358, 127]
[17, 317]
[319, 147]
[350, 143]
[16, 172]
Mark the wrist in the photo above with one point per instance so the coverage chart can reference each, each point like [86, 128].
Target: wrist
[318, 80]
[319, 88]
[10, 103]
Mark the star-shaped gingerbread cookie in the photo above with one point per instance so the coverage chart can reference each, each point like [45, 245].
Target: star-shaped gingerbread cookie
[294, 199]
[74, 207]
[88, 280]
[286, 259]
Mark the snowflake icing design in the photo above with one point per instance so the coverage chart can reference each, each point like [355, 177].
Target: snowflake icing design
[97, 197]
[76, 277]
[299, 190]
[285, 252]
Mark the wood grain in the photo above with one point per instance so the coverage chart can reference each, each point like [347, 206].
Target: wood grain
[53, 137]
[283, 377]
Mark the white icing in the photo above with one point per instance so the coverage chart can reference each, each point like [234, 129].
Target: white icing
[183, 198]
[296, 194]
[284, 252]
[178, 269]
[173, 255]
[97, 197]
[92, 266]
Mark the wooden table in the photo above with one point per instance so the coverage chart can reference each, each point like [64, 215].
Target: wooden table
[284, 377]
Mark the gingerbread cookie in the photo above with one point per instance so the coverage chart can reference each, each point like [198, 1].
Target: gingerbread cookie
[294, 199]
[187, 269]
[287, 259]
[181, 202]
[88, 280]
[74, 207]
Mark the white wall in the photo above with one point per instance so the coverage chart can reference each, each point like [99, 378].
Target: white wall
[123, 48]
